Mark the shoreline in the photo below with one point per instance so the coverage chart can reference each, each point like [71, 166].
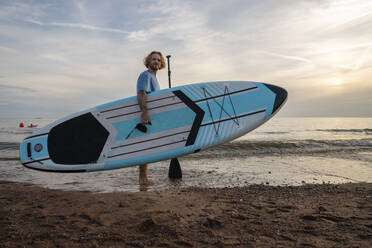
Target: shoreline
[316, 215]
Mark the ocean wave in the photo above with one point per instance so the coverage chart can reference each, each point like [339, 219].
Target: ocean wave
[268, 148]
[9, 146]
[289, 147]
[362, 130]
[24, 131]
[275, 132]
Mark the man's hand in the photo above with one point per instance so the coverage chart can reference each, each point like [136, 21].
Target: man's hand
[145, 118]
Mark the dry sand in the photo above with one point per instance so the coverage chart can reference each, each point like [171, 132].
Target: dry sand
[252, 216]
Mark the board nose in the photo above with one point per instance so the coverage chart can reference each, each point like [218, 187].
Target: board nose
[281, 95]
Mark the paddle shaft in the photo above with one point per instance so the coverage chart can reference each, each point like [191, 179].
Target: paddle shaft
[169, 71]
[175, 171]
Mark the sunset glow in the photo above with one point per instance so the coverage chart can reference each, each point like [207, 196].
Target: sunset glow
[335, 81]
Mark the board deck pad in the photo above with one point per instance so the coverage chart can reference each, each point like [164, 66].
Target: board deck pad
[184, 120]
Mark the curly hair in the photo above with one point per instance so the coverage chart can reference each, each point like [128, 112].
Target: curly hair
[146, 60]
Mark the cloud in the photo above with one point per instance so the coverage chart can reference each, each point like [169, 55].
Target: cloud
[10, 88]
[287, 57]
[140, 35]
[17, 10]
[78, 25]
[76, 54]
[354, 19]
[4, 49]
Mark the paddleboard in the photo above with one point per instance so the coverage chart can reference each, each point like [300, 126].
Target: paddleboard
[184, 120]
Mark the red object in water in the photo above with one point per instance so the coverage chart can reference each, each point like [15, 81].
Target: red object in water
[21, 124]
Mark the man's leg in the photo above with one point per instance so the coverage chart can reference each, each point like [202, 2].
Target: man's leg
[143, 174]
[144, 177]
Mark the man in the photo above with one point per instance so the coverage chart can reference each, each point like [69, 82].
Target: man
[146, 83]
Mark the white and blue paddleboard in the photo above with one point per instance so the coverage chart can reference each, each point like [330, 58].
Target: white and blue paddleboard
[184, 120]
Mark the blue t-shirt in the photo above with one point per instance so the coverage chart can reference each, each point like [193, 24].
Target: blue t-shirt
[147, 82]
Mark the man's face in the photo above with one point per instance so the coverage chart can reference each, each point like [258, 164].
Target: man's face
[155, 62]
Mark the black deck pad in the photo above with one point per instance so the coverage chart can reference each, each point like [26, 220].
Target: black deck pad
[79, 140]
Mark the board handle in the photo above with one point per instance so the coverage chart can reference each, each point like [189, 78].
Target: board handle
[29, 150]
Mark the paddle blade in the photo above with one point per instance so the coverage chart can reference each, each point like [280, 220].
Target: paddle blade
[175, 171]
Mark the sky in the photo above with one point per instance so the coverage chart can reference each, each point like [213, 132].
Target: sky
[60, 57]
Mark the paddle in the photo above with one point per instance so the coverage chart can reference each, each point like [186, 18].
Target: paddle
[175, 171]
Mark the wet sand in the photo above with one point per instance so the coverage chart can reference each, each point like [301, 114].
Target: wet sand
[253, 216]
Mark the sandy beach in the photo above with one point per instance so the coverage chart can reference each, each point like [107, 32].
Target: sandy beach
[253, 216]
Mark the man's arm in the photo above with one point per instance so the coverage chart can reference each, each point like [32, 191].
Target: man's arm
[142, 98]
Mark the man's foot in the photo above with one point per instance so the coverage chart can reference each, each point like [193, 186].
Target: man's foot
[148, 181]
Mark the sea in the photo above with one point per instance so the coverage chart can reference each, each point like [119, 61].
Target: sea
[281, 152]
